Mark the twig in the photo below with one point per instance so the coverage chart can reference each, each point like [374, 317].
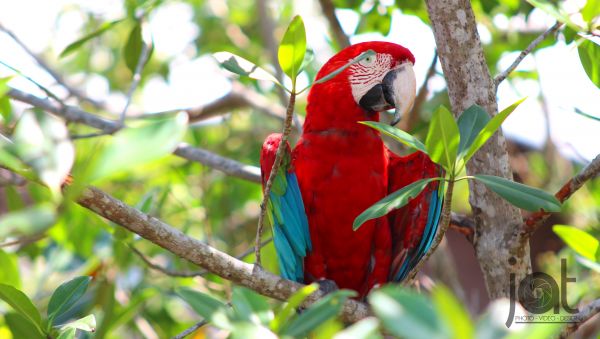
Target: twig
[287, 128]
[584, 315]
[55, 75]
[188, 274]
[191, 330]
[535, 220]
[25, 240]
[334, 23]
[443, 227]
[408, 122]
[37, 84]
[199, 253]
[500, 77]
[137, 77]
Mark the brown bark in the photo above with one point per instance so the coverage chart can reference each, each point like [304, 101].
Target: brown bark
[500, 248]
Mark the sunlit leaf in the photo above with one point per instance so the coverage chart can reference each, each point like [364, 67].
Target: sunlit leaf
[443, 139]
[22, 305]
[470, 124]
[283, 316]
[490, 128]
[68, 333]
[5, 107]
[9, 274]
[66, 295]
[319, 312]
[87, 324]
[240, 66]
[101, 30]
[393, 201]
[406, 314]
[367, 328]
[556, 13]
[292, 48]
[135, 146]
[455, 316]
[591, 10]
[522, 196]
[397, 134]
[589, 54]
[583, 243]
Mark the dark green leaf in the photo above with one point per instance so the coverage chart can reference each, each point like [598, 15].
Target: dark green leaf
[133, 47]
[65, 296]
[393, 201]
[374, 21]
[397, 134]
[292, 48]
[406, 314]
[101, 30]
[318, 313]
[9, 274]
[283, 316]
[589, 54]
[490, 128]
[22, 305]
[522, 196]
[250, 306]
[443, 139]
[455, 316]
[205, 305]
[470, 124]
[580, 241]
[20, 327]
[135, 146]
[240, 66]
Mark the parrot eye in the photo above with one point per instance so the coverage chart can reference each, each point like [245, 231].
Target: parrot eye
[368, 61]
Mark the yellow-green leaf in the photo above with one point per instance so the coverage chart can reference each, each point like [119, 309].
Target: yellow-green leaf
[292, 48]
[580, 241]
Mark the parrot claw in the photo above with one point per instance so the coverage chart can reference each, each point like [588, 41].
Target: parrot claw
[327, 286]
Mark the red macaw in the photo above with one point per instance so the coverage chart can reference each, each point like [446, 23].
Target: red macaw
[339, 168]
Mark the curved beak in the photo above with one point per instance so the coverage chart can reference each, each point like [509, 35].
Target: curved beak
[397, 90]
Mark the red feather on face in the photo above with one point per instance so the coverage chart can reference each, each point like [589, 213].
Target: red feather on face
[343, 168]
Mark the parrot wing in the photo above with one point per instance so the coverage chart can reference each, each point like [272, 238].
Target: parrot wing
[413, 226]
[285, 211]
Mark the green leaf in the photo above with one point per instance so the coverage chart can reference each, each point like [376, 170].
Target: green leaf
[28, 221]
[250, 306]
[240, 66]
[393, 201]
[66, 295]
[470, 124]
[443, 139]
[556, 13]
[5, 107]
[283, 316]
[490, 128]
[87, 324]
[9, 274]
[406, 314]
[591, 10]
[133, 47]
[135, 146]
[101, 30]
[292, 48]
[206, 306]
[589, 54]
[332, 75]
[397, 134]
[580, 241]
[364, 329]
[456, 316]
[522, 196]
[68, 333]
[318, 313]
[50, 153]
[22, 305]
[20, 327]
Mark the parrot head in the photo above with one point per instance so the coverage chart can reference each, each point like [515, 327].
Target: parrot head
[377, 83]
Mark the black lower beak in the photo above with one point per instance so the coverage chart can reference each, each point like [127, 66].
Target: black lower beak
[380, 97]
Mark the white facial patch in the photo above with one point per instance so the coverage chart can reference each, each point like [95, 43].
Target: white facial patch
[368, 73]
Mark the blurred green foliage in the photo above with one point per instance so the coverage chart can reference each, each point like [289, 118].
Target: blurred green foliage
[50, 247]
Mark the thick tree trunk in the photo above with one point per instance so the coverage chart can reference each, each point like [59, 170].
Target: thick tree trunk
[500, 245]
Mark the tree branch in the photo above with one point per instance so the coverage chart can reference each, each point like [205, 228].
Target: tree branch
[535, 220]
[209, 258]
[334, 24]
[503, 75]
[584, 315]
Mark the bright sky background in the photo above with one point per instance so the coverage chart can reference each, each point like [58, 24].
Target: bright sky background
[195, 81]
